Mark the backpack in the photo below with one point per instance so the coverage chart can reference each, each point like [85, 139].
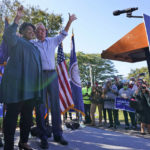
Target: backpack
[72, 125]
[35, 131]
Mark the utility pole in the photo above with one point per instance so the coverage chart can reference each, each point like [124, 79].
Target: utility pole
[91, 79]
[90, 72]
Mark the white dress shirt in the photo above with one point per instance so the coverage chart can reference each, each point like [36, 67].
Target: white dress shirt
[47, 49]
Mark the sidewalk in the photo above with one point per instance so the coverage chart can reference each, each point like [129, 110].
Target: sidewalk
[94, 138]
[121, 129]
[97, 138]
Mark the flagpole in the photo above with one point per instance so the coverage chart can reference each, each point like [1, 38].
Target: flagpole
[72, 32]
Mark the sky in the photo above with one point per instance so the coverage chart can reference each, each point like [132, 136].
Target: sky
[96, 29]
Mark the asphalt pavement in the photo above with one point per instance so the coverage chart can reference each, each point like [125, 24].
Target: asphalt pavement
[96, 138]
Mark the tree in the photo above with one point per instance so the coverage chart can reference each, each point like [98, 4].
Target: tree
[102, 69]
[33, 14]
[136, 72]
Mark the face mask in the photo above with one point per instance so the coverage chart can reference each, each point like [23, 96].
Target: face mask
[125, 87]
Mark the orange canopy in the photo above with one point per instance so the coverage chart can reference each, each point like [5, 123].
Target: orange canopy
[129, 48]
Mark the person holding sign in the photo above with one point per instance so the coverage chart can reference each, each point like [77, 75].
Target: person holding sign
[126, 93]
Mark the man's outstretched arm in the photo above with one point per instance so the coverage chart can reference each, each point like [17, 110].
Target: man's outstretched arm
[71, 19]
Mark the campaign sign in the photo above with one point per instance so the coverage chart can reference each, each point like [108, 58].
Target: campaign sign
[123, 104]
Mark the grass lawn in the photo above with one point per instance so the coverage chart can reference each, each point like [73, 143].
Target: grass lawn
[121, 117]
[120, 114]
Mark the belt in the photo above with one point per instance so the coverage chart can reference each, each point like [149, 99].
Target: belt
[46, 71]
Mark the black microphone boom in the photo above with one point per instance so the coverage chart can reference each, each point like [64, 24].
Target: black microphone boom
[129, 10]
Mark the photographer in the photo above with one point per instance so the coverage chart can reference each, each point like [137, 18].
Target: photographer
[142, 95]
[126, 93]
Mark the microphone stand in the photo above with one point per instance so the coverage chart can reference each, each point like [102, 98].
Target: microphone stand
[129, 15]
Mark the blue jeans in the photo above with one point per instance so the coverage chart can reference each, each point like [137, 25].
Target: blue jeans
[50, 86]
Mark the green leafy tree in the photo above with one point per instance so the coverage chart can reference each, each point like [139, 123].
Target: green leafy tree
[102, 69]
[136, 72]
[33, 14]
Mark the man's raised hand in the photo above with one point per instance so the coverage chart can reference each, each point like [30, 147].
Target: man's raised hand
[72, 17]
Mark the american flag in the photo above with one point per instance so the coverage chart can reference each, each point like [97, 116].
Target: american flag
[65, 94]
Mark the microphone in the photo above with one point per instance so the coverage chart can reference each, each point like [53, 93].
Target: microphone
[128, 10]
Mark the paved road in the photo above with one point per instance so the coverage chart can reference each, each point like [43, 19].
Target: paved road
[90, 138]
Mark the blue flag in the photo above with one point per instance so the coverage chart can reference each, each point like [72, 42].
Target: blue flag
[147, 26]
[4, 48]
[75, 81]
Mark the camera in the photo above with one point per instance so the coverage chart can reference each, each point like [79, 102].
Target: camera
[143, 87]
[86, 94]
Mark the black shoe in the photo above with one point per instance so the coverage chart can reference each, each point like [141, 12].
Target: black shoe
[118, 123]
[126, 127]
[110, 126]
[85, 122]
[105, 122]
[60, 140]
[115, 126]
[24, 146]
[44, 144]
[134, 127]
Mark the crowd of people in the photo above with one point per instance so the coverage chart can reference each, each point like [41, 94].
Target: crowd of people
[136, 91]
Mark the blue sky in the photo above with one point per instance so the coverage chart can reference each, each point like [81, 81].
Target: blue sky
[96, 28]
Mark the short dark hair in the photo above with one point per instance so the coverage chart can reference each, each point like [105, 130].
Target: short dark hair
[24, 26]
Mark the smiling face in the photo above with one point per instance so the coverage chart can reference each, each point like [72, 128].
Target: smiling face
[28, 33]
[41, 32]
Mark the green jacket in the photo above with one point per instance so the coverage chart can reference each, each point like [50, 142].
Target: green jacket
[22, 77]
[86, 95]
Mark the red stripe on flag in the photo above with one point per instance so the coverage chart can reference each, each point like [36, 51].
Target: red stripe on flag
[62, 101]
[66, 81]
[64, 90]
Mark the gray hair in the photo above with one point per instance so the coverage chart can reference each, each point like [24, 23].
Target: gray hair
[39, 24]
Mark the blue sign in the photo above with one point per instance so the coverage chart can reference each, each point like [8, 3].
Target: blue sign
[123, 104]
